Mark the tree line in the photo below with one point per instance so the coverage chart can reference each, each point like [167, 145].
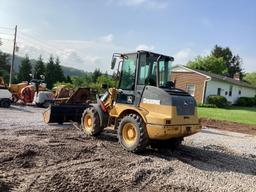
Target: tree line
[221, 61]
[224, 62]
[4, 66]
[51, 70]
[93, 79]
[54, 75]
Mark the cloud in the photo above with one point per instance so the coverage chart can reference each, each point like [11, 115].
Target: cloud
[183, 56]
[108, 38]
[145, 47]
[206, 52]
[81, 54]
[151, 4]
[249, 63]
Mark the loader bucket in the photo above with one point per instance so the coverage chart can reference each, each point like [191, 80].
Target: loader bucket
[64, 113]
[71, 110]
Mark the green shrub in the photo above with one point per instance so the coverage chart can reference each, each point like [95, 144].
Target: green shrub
[219, 101]
[246, 101]
[207, 105]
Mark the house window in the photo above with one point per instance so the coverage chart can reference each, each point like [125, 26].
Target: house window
[230, 90]
[226, 93]
[191, 89]
[239, 92]
[219, 91]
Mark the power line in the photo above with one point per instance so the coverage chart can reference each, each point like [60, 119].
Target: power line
[40, 42]
[8, 28]
[8, 39]
[5, 33]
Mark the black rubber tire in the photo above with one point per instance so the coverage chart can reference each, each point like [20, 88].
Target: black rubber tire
[6, 103]
[95, 129]
[141, 140]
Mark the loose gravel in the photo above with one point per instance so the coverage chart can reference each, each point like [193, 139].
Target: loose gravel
[39, 157]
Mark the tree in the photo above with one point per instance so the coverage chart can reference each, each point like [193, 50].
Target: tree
[25, 70]
[232, 63]
[68, 79]
[95, 75]
[39, 68]
[4, 66]
[54, 72]
[77, 81]
[250, 78]
[225, 53]
[208, 63]
[106, 79]
[50, 73]
[82, 81]
[58, 71]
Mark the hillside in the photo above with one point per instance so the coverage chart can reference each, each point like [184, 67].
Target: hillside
[67, 70]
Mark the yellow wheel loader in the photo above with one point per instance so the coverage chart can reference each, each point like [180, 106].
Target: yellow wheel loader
[145, 107]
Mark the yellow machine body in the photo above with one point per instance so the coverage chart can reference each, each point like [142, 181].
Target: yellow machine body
[162, 121]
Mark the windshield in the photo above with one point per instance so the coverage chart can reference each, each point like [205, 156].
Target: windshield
[148, 70]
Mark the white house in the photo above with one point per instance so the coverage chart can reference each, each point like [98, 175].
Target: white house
[201, 84]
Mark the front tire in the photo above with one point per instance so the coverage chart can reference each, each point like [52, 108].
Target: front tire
[90, 122]
[132, 133]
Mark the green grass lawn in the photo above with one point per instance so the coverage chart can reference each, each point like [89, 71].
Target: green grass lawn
[245, 115]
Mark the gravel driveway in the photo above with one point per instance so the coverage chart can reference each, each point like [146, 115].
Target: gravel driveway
[38, 157]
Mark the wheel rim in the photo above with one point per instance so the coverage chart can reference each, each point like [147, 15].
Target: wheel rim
[88, 121]
[46, 116]
[129, 134]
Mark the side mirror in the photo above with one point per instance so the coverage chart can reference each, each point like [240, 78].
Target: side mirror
[42, 77]
[171, 59]
[113, 62]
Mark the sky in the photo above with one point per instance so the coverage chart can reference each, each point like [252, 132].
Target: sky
[84, 33]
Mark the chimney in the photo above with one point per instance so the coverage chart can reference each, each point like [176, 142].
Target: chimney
[237, 76]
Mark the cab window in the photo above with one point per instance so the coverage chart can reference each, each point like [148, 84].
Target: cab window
[127, 79]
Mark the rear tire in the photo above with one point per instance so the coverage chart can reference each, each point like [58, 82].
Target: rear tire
[5, 103]
[132, 133]
[90, 122]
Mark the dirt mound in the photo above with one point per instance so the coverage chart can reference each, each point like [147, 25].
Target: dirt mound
[229, 126]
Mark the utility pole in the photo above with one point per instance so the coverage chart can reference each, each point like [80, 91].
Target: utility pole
[13, 55]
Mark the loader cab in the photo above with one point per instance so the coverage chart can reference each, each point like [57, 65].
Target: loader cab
[138, 70]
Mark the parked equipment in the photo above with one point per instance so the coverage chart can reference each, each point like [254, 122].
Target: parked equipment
[15, 89]
[145, 107]
[43, 99]
[5, 95]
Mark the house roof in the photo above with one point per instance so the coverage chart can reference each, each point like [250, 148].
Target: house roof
[217, 77]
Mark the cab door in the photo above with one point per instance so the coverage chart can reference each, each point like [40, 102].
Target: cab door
[127, 82]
